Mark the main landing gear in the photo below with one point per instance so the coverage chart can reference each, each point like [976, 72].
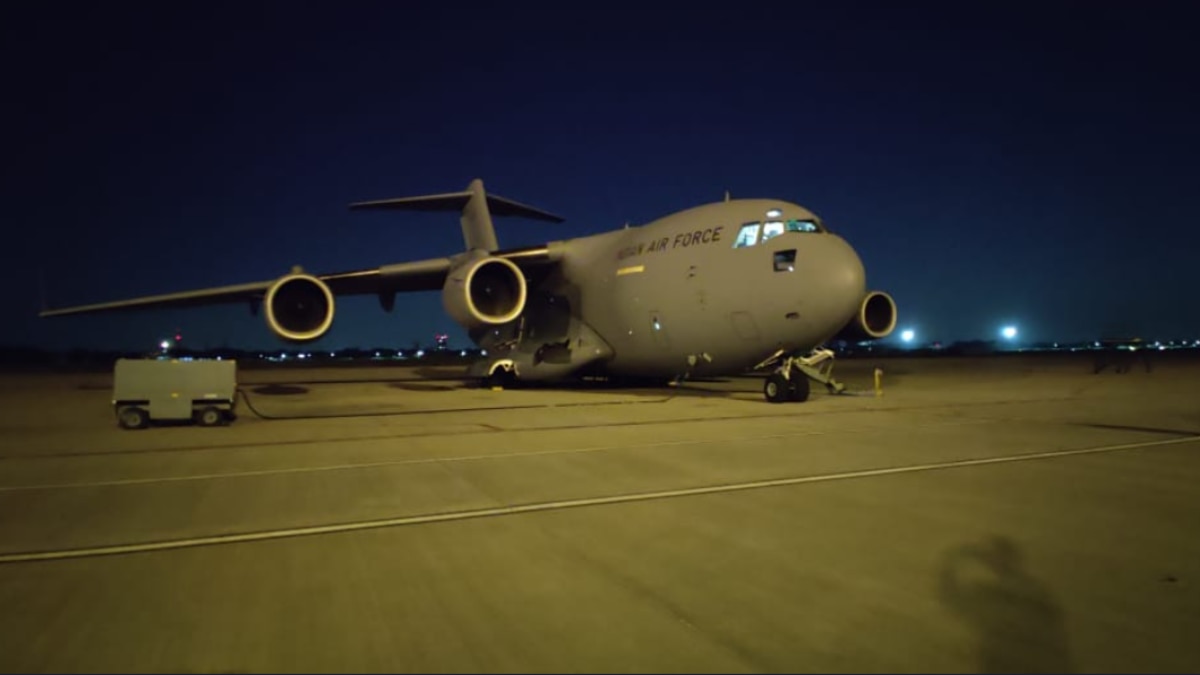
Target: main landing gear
[790, 379]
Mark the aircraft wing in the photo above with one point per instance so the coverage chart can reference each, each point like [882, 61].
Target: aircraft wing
[385, 281]
[207, 296]
[419, 275]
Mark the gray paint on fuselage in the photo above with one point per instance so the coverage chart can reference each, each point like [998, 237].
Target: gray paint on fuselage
[693, 280]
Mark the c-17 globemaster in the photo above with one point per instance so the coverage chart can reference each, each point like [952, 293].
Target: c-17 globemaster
[712, 290]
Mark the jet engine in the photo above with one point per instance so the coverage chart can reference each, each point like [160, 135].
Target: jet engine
[484, 291]
[876, 318]
[299, 307]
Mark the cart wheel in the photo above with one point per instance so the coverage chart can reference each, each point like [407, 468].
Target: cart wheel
[132, 417]
[209, 417]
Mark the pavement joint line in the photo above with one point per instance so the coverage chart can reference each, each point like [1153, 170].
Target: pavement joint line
[542, 429]
[461, 458]
[558, 505]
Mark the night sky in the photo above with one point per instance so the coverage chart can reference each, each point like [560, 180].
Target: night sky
[992, 163]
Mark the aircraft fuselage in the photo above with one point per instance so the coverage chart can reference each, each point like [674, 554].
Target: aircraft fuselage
[678, 296]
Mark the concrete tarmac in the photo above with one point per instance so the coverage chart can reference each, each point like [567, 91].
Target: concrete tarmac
[999, 514]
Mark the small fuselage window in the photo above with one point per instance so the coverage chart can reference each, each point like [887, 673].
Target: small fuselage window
[785, 261]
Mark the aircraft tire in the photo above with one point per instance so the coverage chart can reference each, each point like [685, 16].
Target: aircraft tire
[502, 378]
[798, 388]
[776, 389]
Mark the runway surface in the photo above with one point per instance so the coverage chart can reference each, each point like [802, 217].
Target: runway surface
[982, 515]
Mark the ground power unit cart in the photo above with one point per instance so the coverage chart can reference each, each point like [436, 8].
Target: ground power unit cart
[203, 391]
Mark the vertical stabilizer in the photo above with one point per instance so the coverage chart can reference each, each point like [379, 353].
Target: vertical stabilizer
[478, 231]
[477, 208]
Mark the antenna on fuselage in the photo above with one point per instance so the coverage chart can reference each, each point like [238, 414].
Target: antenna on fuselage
[727, 195]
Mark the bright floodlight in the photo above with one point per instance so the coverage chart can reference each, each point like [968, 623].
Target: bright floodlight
[907, 335]
[165, 345]
[1009, 332]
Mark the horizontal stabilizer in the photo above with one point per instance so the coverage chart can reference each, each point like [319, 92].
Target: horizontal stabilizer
[456, 201]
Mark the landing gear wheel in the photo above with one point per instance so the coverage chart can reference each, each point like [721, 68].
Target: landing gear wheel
[502, 378]
[209, 417]
[799, 388]
[133, 417]
[777, 389]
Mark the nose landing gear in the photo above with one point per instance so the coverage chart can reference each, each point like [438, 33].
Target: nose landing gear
[783, 385]
[790, 379]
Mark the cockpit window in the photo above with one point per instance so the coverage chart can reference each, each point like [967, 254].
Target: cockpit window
[747, 236]
[794, 225]
[772, 228]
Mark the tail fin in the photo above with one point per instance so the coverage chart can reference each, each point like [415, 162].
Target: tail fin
[477, 208]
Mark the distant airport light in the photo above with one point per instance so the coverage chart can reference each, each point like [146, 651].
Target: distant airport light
[907, 335]
[165, 345]
[1009, 332]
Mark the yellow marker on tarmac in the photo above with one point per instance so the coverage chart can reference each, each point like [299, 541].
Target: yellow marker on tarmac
[879, 381]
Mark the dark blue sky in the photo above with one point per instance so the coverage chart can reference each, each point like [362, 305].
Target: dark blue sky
[991, 162]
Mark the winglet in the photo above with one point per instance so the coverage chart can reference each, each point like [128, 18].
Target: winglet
[477, 207]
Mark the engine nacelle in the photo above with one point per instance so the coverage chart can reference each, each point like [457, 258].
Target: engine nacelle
[299, 307]
[876, 318]
[484, 291]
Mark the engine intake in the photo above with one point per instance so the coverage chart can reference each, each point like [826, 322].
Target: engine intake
[299, 307]
[485, 291]
[876, 318]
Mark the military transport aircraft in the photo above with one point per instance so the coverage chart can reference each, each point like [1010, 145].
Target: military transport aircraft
[711, 290]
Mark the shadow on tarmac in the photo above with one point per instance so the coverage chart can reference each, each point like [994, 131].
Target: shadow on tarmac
[421, 386]
[1018, 626]
[280, 390]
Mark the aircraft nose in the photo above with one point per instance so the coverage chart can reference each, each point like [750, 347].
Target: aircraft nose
[843, 278]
